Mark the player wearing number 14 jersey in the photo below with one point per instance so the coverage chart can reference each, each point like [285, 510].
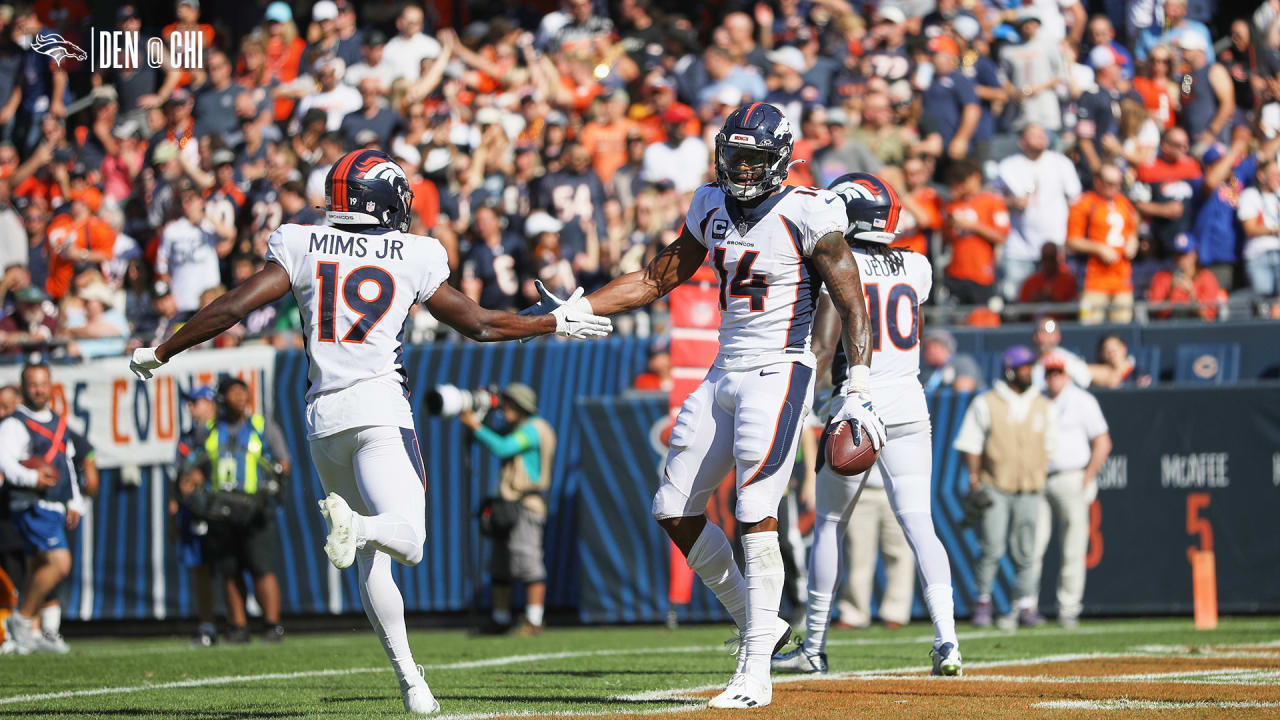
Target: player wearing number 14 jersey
[355, 283]
[895, 283]
[772, 248]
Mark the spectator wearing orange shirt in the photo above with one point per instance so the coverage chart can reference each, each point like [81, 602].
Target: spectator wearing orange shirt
[188, 13]
[606, 138]
[976, 221]
[1052, 281]
[76, 239]
[923, 207]
[1154, 86]
[1187, 283]
[1104, 226]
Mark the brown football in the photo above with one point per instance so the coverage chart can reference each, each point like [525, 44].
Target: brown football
[848, 455]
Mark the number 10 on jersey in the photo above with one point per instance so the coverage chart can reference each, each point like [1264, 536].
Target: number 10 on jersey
[369, 309]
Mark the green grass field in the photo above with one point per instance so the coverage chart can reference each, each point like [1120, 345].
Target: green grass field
[577, 671]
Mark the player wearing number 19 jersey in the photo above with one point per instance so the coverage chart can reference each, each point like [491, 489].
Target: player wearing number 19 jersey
[355, 283]
[772, 248]
[896, 282]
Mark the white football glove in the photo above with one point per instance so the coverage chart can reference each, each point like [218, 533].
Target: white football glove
[857, 408]
[574, 317]
[144, 361]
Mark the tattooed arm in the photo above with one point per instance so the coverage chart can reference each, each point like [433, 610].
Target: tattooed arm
[834, 262]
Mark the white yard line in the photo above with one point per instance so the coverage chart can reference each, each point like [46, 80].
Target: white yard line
[678, 695]
[1153, 705]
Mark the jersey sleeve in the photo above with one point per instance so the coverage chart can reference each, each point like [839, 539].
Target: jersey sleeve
[436, 270]
[278, 251]
[922, 276]
[701, 208]
[824, 214]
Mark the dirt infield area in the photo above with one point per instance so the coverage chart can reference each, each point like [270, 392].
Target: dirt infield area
[1227, 682]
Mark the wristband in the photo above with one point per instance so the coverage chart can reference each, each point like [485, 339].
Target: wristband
[859, 380]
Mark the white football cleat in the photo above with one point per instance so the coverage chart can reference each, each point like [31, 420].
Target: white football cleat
[417, 696]
[946, 660]
[340, 545]
[800, 660]
[23, 636]
[743, 693]
[52, 643]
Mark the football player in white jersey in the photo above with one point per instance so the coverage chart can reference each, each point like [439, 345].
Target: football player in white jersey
[355, 283]
[773, 247]
[895, 282]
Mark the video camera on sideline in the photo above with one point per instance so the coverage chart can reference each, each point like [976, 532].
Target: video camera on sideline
[449, 401]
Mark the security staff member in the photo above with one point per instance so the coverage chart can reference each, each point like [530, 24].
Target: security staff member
[524, 478]
[190, 530]
[238, 456]
[37, 457]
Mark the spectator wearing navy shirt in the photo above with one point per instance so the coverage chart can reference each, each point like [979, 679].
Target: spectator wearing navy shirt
[1098, 113]
[372, 115]
[1227, 172]
[951, 108]
[215, 100]
[490, 271]
[575, 196]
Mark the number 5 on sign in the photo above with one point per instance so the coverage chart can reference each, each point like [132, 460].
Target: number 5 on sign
[1204, 580]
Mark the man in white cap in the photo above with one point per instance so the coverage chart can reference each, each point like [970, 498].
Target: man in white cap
[1098, 111]
[333, 97]
[1156, 31]
[1208, 99]
[324, 15]
[1033, 71]
[792, 92]
[888, 44]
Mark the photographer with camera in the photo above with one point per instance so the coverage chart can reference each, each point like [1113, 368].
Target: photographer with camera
[189, 530]
[518, 516]
[232, 483]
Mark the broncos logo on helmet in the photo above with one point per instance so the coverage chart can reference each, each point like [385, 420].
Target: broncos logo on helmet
[367, 187]
[871, 205]
[753, 151]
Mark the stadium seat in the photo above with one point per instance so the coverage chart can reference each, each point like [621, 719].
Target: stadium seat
[1208, 363]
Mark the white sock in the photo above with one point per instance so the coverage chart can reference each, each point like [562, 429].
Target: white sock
[942, 612]
[1027, 603]
[824, 578]
[501, 617]
[391, 534]
[51, 619]
[765, 577]
[533, 613]
[712, 559]
[385, 608]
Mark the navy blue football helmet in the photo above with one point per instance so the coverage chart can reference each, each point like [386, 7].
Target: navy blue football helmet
[871, 205]
[367, 187]
[753, 151]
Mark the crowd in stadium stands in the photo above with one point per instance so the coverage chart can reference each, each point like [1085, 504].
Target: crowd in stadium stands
[1044, 150]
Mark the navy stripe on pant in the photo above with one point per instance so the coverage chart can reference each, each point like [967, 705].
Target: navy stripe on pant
[788, 420]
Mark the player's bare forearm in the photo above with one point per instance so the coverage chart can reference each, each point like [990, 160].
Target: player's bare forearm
[476, 323]
[826, 335]
[834, 262]
[267, 285]
[673, 265]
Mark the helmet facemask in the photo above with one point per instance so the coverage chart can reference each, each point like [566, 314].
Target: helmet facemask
[748, 171]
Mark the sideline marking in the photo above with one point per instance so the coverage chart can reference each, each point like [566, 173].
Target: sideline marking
[672, 695]
[1153, 705]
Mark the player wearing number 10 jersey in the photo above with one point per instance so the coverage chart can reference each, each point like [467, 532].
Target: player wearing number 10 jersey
[355, 283]
[772, 248]
[895, 283]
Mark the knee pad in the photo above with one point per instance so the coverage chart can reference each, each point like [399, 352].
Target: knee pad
[420, 540]
[670, 501]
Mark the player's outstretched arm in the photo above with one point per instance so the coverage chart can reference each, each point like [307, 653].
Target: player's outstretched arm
[463, 314]
[267, 285]
[676, 263]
